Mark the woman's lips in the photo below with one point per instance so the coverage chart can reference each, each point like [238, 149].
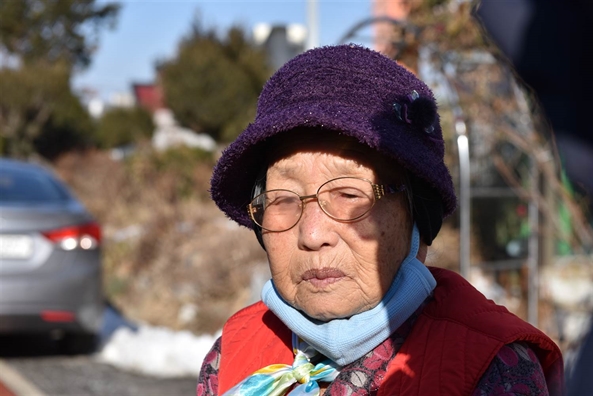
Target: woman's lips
[322, 277]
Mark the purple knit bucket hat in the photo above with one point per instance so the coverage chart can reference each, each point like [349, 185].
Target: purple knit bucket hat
[350, 89]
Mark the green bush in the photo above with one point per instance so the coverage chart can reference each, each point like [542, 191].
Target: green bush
[122, 126]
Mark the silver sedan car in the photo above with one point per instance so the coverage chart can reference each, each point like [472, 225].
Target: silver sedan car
[50, 259]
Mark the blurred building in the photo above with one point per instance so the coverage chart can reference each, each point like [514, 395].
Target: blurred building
[281, 42]
[168, 132]
[384, 34]
[95, 107]
[149, 96]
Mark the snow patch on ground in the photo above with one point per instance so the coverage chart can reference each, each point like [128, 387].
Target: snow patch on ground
[157, 351]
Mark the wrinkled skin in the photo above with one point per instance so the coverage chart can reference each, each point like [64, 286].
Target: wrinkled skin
[326, 268]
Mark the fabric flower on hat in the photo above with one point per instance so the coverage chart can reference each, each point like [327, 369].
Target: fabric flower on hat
[417, 110]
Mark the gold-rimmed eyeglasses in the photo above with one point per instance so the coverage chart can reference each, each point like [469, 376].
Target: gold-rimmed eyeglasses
[343, 199]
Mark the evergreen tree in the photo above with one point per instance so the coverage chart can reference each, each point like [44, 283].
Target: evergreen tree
[42, 42]
[213, 83]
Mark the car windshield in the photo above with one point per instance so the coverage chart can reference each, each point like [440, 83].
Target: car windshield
[27, 186]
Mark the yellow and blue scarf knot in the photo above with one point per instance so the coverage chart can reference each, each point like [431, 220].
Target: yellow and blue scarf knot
[278, 379]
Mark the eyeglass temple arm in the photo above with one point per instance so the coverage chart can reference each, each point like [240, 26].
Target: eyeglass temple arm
[382, 189]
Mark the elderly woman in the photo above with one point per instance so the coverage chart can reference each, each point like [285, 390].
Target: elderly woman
[341, 176]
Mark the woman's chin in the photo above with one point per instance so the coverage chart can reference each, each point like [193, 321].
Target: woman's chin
[329, 310]
[323, 316]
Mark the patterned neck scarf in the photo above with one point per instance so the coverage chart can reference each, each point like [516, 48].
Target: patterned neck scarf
[277, 379]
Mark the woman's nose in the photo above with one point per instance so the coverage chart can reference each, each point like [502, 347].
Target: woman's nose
[315, 228]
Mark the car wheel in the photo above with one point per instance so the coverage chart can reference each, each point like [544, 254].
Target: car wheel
[80, 344]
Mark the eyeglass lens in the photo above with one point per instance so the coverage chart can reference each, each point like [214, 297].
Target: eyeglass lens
[343, 199]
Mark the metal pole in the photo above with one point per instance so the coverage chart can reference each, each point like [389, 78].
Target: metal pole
[464, 197]
[313, 24]
[464, 172]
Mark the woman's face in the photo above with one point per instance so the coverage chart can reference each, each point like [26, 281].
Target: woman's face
[326, 268]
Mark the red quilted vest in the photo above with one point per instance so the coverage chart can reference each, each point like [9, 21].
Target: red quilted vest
[450, 347]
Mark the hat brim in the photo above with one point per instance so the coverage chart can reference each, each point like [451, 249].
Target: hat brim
[236, 171]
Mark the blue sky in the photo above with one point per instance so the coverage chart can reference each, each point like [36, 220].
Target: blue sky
[150, 30]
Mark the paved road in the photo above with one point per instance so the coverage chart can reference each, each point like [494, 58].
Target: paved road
[80, 376]
[53, 374]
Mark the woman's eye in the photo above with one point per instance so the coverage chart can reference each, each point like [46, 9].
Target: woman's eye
[348, 194]
[282, 200]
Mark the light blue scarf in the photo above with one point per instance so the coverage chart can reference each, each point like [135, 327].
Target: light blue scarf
[346, 340]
